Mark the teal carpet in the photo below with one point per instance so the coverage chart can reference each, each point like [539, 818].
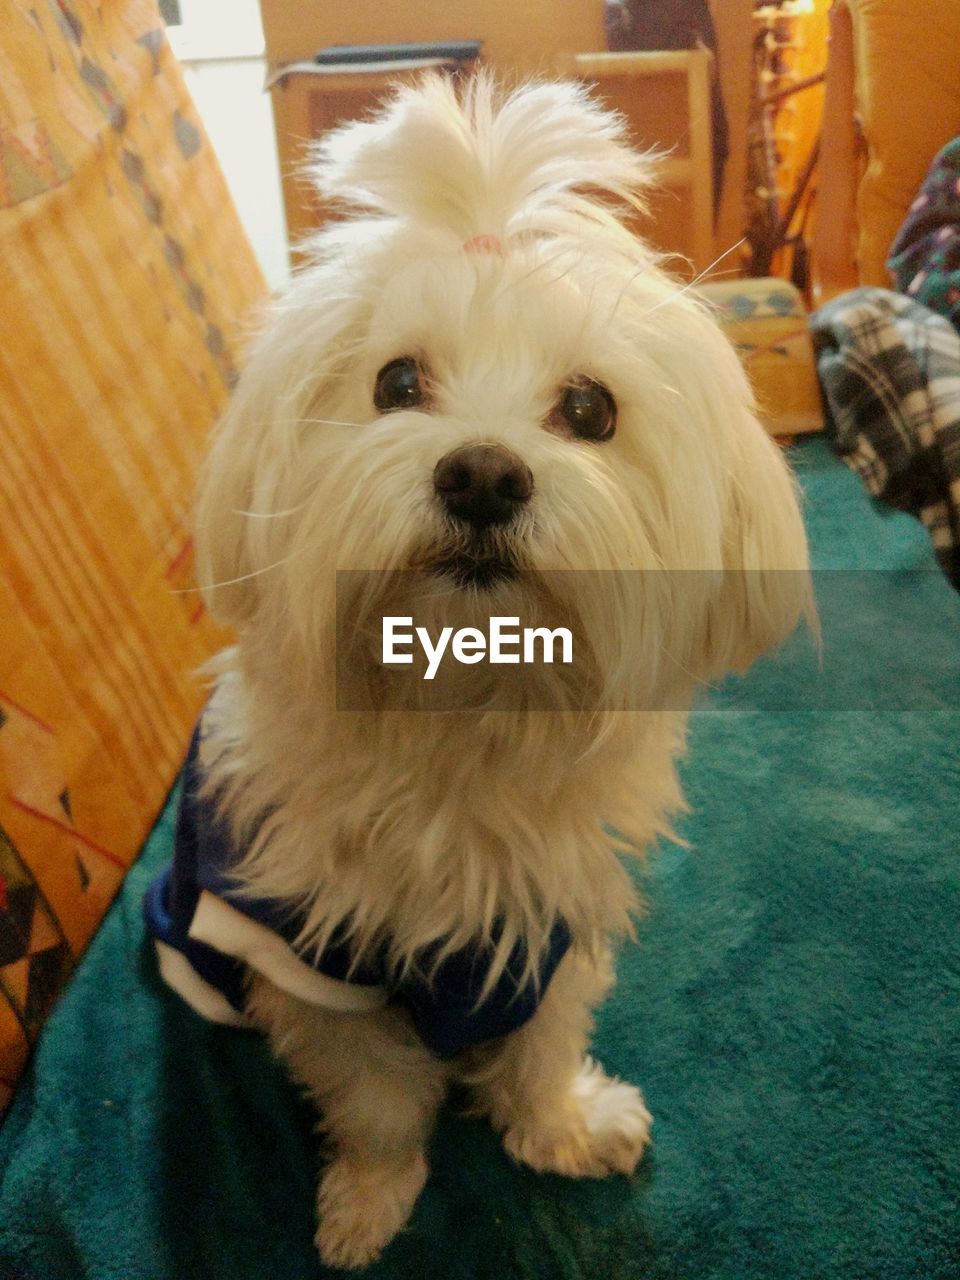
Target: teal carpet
[792, 1013]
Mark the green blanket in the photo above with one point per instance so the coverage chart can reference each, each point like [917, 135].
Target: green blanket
[792, 1013]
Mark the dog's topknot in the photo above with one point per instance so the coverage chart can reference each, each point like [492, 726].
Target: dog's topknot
[484, 161]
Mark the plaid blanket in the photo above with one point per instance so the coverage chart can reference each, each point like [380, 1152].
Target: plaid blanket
[890, 372]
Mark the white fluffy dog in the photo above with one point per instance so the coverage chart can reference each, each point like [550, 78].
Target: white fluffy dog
[484, 392]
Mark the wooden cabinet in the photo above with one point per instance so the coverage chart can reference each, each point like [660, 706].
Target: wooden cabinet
[665, 96]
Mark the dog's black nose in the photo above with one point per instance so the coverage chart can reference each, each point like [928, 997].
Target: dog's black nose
[483, 484]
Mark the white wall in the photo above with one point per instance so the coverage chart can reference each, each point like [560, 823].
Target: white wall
[220, 46]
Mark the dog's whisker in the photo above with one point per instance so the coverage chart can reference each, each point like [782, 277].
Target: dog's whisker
[243, 577]
[696, 280]
[323, 422]
[308, 422]
[269, 515]
[638, 271]
[691, 675]
[676, 293]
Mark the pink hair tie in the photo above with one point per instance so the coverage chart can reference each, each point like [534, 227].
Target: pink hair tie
[484, 244]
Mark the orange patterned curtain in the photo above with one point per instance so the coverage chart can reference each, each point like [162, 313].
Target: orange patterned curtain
[125, 280]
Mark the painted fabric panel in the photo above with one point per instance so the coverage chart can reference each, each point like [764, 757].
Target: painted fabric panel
[124, 279]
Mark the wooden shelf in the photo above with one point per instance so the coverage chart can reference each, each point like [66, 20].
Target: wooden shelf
[624, 80]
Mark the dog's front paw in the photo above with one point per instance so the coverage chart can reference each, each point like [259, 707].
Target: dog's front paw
[602, 1127]
[361, 1205]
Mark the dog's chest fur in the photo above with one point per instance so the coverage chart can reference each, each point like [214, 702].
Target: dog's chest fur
[423, 827]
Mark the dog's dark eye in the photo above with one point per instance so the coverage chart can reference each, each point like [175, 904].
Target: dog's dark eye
[588, 409]
[399, 386]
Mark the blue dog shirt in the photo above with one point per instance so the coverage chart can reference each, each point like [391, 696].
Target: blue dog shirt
[208, 932]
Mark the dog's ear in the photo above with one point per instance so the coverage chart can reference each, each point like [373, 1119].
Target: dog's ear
[252, 481]
[765, 588]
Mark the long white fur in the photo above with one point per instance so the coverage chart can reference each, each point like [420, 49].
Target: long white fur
[421, 827]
